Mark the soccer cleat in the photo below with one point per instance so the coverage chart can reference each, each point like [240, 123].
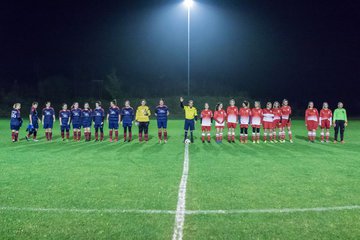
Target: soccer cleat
[265, 141]
[258, 141]
[327, 141]
[110, 140]
[35, 140]
[208, 141]
[253, 141]
[342, 142]
[322, 141]
[27, 138]
[159, 141]
[291, 141]
[335, 141]
[129, 140]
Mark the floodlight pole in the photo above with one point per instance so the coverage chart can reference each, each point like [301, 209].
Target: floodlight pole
[188, 74]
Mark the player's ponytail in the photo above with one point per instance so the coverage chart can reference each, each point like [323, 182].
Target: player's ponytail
[217, 106]
[114, 102]
[246, 103]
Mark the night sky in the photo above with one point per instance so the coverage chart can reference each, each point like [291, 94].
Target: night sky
[302, 50]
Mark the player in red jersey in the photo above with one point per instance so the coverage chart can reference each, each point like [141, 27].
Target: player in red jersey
[268, 122]
[325, 121]
[206, 119]
[277, 119]
[256, 117]
[219, 117]
[244, 119]
[311, 121]
[285, 121]
[232, 119]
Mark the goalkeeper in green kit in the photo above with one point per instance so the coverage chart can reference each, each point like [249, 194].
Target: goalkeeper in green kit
[340, 122]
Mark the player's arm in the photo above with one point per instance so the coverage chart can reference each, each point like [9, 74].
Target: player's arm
[107, 117]
[148, 112]
[195, 115]
[182, 102]
[346, 119]
[30, 119]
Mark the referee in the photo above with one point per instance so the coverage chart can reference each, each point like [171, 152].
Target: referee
[340, 122]
[190, 118]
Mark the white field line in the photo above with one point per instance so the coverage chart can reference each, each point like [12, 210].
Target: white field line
[187, 212]
[180, 209]
[80, 210]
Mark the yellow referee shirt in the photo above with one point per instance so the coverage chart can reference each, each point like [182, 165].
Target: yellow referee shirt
[190, 112]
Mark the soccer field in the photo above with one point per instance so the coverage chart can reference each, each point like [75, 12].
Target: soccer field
[88, 190]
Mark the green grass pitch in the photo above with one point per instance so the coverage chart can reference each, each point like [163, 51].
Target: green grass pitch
[62, 190]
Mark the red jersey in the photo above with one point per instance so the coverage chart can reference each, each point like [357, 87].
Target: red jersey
[220, 117]
[277, 113]
[256, 116]
[206, 116]
[232, 114]
[285, 112]
[244, 114]
[312, 114]
[325, 114]
[268, 115]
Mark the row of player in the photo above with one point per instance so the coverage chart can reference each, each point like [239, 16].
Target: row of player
[275, 120]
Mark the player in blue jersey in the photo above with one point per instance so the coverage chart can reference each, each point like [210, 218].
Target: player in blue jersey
[98, 118]
[162, 113]
[127, 118]
[75, 119]
[86, 117]
[64, 119]
[48, 119]
[33, 122]
[15, 122]
[113, 118]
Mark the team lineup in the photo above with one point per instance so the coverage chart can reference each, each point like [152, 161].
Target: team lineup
[275, 119]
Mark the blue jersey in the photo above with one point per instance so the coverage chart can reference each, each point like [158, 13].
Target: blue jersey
[127, 114]
[86, 117]
[48, 114]
[98, 116]
[15, 118]
[34, 115]
[76, 116]
[161, 113]
[65, 116]
[114, 114]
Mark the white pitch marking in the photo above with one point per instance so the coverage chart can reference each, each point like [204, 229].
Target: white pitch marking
[272, 210]
[180, 209]
[79, 210]
[187, 212]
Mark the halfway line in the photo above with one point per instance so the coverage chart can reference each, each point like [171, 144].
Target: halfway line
[180, 209]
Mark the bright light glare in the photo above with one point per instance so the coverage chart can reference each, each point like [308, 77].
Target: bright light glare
[189, 3]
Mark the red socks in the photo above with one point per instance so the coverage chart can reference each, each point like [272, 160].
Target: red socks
[111, 135]
[165, 135]
[116, 135]
[160, 135]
